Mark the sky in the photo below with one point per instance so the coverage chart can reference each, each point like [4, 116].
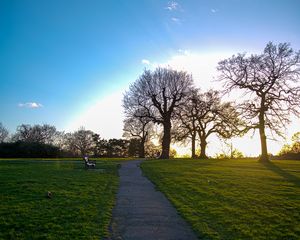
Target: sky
[68, 62]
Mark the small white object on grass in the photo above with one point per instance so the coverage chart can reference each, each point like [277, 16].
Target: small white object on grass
[49, 194]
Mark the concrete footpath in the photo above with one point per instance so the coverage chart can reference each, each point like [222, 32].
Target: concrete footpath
[141, 212]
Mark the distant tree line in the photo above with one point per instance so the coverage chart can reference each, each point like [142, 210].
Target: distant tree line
[46, 141]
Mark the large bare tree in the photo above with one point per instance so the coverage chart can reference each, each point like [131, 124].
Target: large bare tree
[157, 95]
[270, 82]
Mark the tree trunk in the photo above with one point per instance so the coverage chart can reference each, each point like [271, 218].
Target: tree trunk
[203, 145]
[193, 146]
[166, 140]
[82, 151]
[142, 149]
[263, 139]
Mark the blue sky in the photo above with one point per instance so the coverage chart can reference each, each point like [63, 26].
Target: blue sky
[66, 56]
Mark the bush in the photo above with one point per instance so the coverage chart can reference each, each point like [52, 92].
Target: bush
[287, 156]
[28, 149]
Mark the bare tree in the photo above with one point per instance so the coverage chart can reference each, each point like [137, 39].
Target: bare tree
[68, 144]
[59, 139]
[37, 133]
[270, 83]
[81, 140]
[157, 95]
[139, 128]
[204, 114]
[215, 117]
[3, 133]
[187, 121]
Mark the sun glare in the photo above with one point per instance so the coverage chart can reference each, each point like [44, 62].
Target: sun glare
[104, 117]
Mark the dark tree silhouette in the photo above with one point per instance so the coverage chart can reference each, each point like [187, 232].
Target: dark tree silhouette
[270, 83]
[81, 140]
[3, 133]
[97, 144]
[204, 114]
[36, 133]
[117, 148]
[138, 128]
[157, 95]
[21, 149]
[134, 147]
[187, 122]
[215, 117]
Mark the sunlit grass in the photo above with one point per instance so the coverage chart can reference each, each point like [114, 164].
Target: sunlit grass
[233, 199]
[79, 209]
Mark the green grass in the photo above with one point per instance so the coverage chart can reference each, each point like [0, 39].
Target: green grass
[232, 199]
[79, 209]
[69, 159]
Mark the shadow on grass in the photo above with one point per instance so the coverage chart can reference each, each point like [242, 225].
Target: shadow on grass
[289, 177]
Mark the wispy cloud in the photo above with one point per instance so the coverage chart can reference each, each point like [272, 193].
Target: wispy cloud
[145, 61]
[184, 52]
[30, 105]
[176, 20]
[214, 10]
[172, 6]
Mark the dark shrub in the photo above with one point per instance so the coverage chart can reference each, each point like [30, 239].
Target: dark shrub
[21, 149]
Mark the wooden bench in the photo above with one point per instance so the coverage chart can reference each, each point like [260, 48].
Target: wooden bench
[89, 163]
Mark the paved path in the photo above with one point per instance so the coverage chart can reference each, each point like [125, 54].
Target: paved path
[141, 212]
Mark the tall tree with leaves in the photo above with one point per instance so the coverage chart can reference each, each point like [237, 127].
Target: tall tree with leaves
[270, 82]
[157, 95]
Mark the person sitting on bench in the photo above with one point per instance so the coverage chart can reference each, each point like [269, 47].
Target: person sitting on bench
[88, 163]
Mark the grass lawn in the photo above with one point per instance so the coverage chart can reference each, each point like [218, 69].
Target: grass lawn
[69, 159]
[232, 199]
[79, 209]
